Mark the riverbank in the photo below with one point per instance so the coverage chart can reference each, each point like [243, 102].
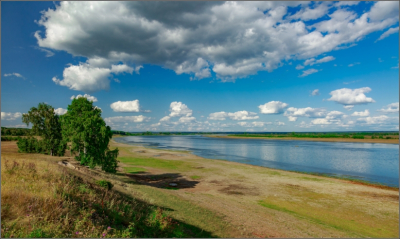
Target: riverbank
[263, 202]
[346, 140]
[228, 199]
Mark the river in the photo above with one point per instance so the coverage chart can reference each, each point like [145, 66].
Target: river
[371, 162]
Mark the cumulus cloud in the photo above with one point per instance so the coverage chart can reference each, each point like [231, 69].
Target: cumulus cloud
[14, 74]
[272, 107]
[200, 38]
[10, 116]
[123, 119]
[390, 108]
[347, 96]
[348, 107]
[299, 67]
[126, 106]
[88, 78]
[308, 72]
[292, 113]
[332, 117]
[239, 115]
[60, 111]
[187, 119]
[179, 109]
[315, 92]
[374, 120]
[89, 97]
[361, 113]
[260, 124]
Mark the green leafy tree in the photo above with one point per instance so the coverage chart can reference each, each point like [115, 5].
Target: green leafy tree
[46, 123]
[84, 127]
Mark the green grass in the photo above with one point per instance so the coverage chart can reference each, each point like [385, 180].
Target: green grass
[327, 211]
[195, 177]
[158, 163]
[134, 170]
[312, 179]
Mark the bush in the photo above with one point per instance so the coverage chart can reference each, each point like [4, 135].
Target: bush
[105, 184]
[358, 136]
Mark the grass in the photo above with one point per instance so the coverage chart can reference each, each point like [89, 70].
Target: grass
[41, 199]
[134, 170]
[325, 211]
[157, 163]
[195, 177]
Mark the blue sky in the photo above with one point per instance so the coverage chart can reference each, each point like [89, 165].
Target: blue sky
[206, 66]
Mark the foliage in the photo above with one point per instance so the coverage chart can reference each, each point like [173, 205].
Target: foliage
[105, 184]
[15, 131]
[46, 124]
[31, 145]
[85, 128]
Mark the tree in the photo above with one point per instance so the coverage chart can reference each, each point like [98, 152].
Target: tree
[84, 127]
[46, 123]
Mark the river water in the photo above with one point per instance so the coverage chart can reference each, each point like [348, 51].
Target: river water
[366, 161]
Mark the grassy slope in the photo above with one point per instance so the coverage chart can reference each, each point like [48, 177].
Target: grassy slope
[42, 199]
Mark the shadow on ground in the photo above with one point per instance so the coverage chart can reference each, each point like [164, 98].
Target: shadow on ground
[166, 180]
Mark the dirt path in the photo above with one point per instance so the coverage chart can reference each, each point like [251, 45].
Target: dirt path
[263, 202]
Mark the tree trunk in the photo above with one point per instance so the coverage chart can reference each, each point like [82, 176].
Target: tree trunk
[84, 150]
[51, 152]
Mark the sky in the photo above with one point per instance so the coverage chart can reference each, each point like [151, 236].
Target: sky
[206, 66]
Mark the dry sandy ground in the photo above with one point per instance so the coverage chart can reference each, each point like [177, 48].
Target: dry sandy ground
[367, 140]
[234, 190]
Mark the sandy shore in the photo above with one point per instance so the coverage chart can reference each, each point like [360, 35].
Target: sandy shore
[262, 202]
[347, 140]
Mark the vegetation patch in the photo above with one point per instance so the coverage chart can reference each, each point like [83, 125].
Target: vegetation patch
[326, 211]
[39, 199]
[195, 177]
[134, 170]
[157, 163]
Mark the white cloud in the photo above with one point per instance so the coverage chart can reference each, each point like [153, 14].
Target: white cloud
[347, 96]
[304, 112]
[17, 126]
[348, 107]
[60, 111]
[279, 123]
[14, 74]
[259, 124]
[218, 116]
[390, 108]
[312, 61]
[308, 72]
[315, 92]
[292, 118]
[239, 115]
[299, 67]
[179, 109]
[89, 97]
[10, 116]
[353, 64]
[374, 120]
[88, 78]
[361, 113]
[231, 39]
[346, 3]
[123, 119]
[321, 121]
[48, 53]
[389, 32]
[272, 107]
[165, 118]
[186, 119]
[383, 10]
[126, 106]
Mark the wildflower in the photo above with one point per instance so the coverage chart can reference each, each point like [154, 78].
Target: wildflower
[77, 233]
[108, 228]
[104, 234]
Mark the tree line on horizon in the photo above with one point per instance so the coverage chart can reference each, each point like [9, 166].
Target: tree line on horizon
[82, 130]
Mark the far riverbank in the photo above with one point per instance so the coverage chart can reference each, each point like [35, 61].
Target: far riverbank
[346, 140]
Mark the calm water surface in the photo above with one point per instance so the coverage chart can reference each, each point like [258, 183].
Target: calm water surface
[366, 161]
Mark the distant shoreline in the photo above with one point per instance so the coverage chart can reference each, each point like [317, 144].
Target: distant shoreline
[344, 140]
